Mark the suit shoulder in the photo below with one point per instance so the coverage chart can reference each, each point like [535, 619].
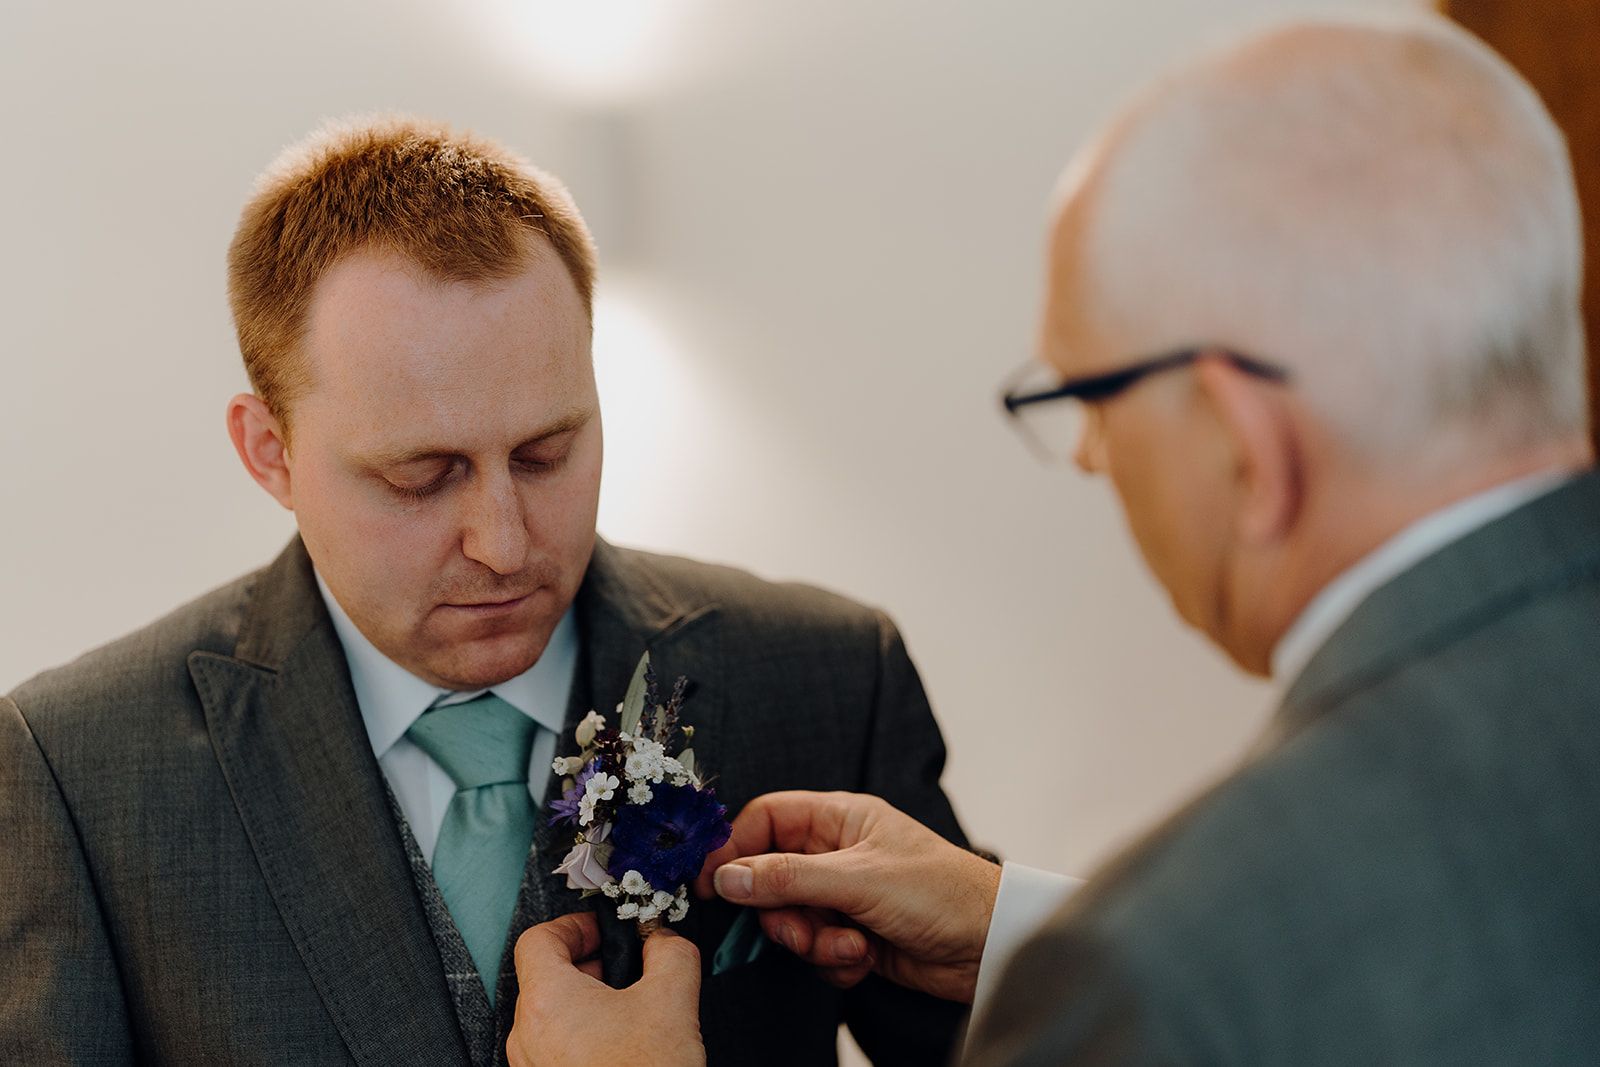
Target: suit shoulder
[152, 659]
[754, 601]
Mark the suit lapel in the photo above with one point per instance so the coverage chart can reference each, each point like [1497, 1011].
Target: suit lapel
[289, 738]
[623, 611]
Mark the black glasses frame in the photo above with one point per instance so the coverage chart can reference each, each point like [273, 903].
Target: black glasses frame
[1096, 387]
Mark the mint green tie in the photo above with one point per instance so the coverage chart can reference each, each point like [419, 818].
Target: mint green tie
[483, 745]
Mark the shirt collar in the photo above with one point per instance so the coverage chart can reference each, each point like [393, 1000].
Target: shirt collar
[1339, 599]
[391, 698]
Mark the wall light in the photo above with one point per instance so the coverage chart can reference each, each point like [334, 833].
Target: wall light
[598, 52]
[656, 416]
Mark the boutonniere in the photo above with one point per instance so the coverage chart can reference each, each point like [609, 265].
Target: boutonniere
[644, 818]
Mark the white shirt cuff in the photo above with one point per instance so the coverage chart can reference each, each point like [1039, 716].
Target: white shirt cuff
[1027, 897]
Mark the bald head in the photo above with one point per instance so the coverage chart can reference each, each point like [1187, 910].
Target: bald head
[1384, 207]
[1384, 210]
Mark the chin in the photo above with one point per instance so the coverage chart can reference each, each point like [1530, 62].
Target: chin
[1248, 656]
[489, 662]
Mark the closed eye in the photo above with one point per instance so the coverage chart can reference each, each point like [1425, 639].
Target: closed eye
[550, 455]
[426, 489]
[541, 465]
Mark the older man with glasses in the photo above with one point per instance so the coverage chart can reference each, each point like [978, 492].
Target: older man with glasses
[1361, 469]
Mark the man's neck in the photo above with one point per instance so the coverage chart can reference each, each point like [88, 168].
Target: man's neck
[1347, 524]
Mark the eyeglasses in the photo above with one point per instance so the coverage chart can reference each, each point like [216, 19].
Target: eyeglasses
[1052, 431]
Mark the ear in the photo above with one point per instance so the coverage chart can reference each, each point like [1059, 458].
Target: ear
[1266, 452]
[259, 439]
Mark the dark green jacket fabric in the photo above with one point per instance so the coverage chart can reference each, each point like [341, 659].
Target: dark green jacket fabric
[199, 863]
[1406, 872]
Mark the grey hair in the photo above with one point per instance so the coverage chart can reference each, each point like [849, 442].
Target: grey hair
[1382, 205]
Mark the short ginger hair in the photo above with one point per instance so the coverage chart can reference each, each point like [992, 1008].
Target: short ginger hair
[460, 207]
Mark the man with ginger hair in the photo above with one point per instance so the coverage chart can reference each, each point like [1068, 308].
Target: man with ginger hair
[1317, 296]
[245, 833]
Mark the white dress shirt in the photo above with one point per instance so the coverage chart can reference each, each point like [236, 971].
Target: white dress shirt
[1028, 897]
[391, 698]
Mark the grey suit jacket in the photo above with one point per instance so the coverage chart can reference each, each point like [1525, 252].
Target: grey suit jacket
[199, 863]
[1407, 871]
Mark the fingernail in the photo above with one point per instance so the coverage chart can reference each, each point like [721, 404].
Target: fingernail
[787, 936]
[850, 948]
[734, 882]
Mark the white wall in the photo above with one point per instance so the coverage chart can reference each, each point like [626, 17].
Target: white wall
[823, 259]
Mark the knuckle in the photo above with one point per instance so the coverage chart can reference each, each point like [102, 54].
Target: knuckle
[527, 943]
[779, 873]
[841, 977]
[687, 951]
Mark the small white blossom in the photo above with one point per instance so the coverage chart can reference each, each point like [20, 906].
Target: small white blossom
[627, 910]
[600, 787]
[662, 900]
[649, 761]
[680, 908]
[634, 885]
[567, 764]
[639, 793]
[641, 768]
[646, 912]
[612, 890]
[682, 779]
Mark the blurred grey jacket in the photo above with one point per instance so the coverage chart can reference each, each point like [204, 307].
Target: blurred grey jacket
[199, 863]
[1408, 869]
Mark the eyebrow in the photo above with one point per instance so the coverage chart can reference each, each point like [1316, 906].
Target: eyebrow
[572, 420]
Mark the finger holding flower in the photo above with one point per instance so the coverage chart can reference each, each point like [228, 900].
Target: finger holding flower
[576, 1020]
[915, 908]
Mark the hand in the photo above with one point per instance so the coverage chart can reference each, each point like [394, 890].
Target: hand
[925, 902]
[567, 1017]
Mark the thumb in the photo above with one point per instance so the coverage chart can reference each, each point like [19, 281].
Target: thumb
[555, 946]
[788, 879]
[673, 962]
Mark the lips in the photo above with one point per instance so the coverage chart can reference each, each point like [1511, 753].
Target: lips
[492, 603]
[489, 605]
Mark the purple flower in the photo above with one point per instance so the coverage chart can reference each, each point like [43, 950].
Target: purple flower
[668, 839]
[566, 809]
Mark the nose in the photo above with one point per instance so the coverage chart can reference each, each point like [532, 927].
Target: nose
[1090, 454]
[494, 530]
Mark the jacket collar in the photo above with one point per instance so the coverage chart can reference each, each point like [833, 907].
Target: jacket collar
[1528, 552]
